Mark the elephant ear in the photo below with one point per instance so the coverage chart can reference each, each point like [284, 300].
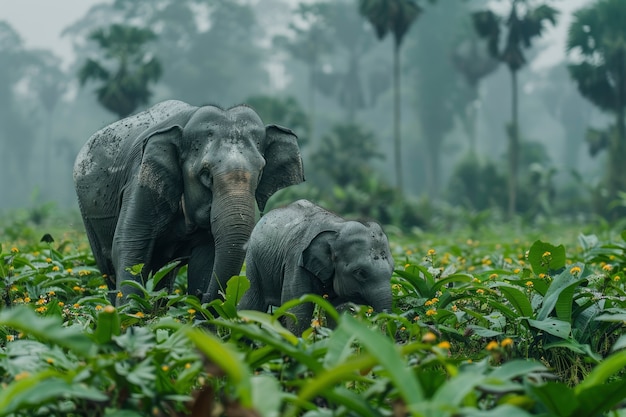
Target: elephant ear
[318, 257]
[160, 170]
[283, 163]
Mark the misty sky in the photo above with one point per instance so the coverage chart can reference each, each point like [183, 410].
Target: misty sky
[40, 23]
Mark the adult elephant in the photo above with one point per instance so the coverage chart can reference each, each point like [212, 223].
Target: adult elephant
[179, 182]
[304, 249]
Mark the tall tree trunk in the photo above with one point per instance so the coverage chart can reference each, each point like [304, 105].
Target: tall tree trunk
[513, 135]
[396, 113]
[312, 101]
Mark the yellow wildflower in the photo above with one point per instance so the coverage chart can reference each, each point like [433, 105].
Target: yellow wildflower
[102, 287]
[508, 260]
[50, 360]
[22, 375]
[14, 250]
[99, 307]
[480, 291]
[506, 342]
[493, 345]
[119, 294]
[431, 252]
[60, 303]
[191, 311]
[431, 312]
[51, 293]
[10, 338]
[69, 270]
[429, 337]
[55, 268]
[76, 305]
[493, 276]
[575, 270]
[529, 284]
[607, 268]
[49, 260]
[444, 345]
[416, 318]
[41, 309]
[165, 368]
[187, 365]
[41, 301]
[516, 271]
[546, 254]
[542, 275]
[409, 252]
[616, 278]
[27, 299]
[139, 314]
[454, 308]
[406, 266]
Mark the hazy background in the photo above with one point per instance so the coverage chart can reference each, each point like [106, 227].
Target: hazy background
[252, 54]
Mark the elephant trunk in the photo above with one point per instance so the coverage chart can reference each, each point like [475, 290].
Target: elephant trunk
[381, 298]
[232, 221]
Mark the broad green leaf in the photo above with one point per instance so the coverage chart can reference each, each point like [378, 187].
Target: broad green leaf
[553, 261]
[161, 273]
[597, 399]
[45, 387]
[50, 329]
[108, 325]
[560, 296]
[557, 397]
[387, 355]
[228, 360]
[575, 346]
[269, 322]
[380, 350]
[619, 344]
[517, 298]
[499, 411]
[604, 370]
[516, 368]
[267, 395]
[235, 289]
[339, 347]
[552, 326]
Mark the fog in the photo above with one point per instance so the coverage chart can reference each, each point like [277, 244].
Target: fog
[320, 70]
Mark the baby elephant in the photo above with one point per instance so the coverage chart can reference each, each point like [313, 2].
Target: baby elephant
[304, 249]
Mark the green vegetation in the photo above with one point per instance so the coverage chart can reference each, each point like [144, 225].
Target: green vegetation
[484, 323]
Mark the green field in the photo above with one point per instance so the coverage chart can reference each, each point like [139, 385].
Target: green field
[512, 320]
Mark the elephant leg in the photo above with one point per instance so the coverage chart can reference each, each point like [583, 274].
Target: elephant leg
[254, 298]
[140, 223]
[199, 270]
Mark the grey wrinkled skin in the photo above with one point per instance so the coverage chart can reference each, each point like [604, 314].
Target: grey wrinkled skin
[304, 249]
[179, 182]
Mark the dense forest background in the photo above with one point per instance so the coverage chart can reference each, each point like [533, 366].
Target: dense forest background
[325, 69]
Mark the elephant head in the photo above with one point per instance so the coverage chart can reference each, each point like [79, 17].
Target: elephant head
[184, 180]
[354, 261]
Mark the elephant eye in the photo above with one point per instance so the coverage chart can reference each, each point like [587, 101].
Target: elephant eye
[359, 274]
[206, 178]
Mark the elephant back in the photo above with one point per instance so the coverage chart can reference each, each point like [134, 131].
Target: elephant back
[297, 224]
[112, 154]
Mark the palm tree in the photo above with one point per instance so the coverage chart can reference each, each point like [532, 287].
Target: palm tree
[395, 16]
[598, 37]
[522, 25]
[125, 88]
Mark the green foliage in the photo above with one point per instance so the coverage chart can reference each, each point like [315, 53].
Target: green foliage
[496, 328]
[125, 87]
